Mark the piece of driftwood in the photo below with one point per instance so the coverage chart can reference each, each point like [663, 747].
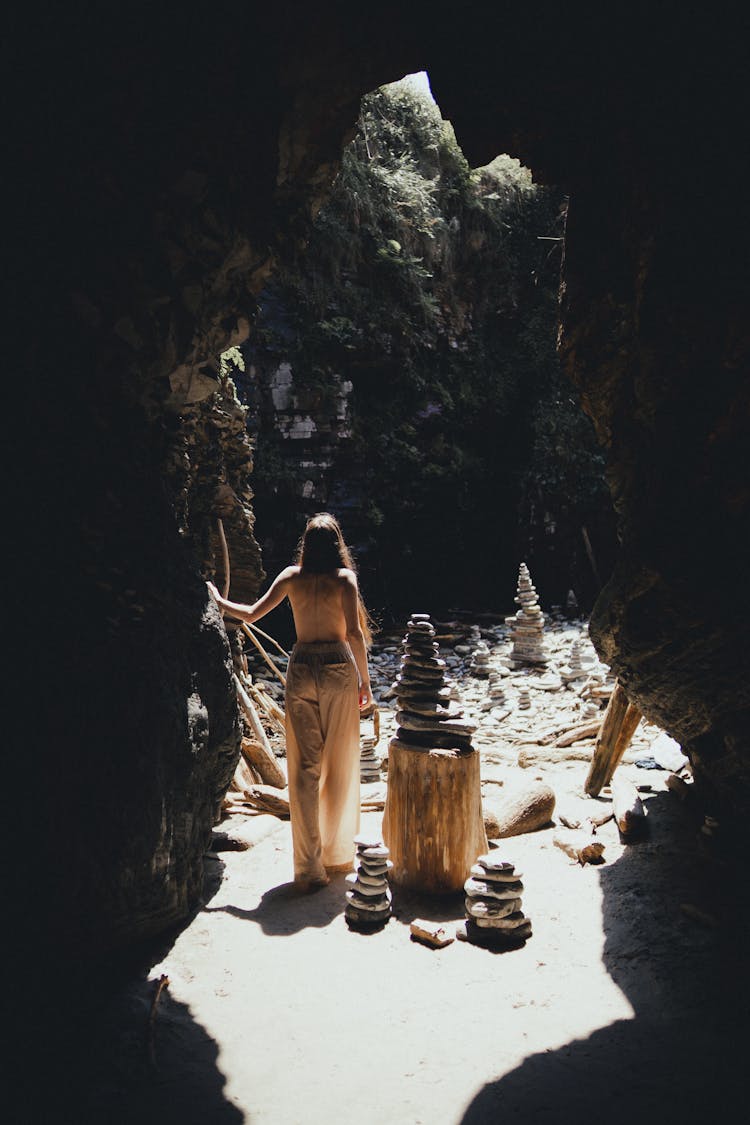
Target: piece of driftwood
[533, 755]
[225, 558]
[524, 808]
[246, 629]
[267, 767]
[265, 761]
[570, 820]
[267, 637]
[630, 815]
[270, 704]
[245, 774]
[430, 933]
[618, 727]
[580, 846]
[432, 820]
[265, 798]
[578, 734]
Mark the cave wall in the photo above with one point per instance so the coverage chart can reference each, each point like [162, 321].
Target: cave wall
[160, 166]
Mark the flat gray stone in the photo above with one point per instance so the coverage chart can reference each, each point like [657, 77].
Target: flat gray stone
[410, 721]
[483, 908]
[491, 861]
[479, 872]
[370, 907]
[510, 922]
[477, 888]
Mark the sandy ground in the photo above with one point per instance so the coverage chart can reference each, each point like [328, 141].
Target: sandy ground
[624, 1005]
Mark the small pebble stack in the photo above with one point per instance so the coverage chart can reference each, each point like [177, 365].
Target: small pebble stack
[527, 625]
[493, 903]
[480, 661]
[369, 762]
[368, 897]
[425, 718]
[524, 699]
[574, 669]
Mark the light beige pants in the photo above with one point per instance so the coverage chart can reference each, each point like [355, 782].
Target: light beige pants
[322, 747]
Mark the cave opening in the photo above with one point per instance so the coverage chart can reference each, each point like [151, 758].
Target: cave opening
[402, 371]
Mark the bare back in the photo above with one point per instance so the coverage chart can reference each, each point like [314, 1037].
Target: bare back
[318, 604]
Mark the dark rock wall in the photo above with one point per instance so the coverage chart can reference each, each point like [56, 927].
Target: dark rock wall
[155, 159]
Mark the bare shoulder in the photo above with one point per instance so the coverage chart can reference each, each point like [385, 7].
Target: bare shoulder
[347, 576]
[287, 574]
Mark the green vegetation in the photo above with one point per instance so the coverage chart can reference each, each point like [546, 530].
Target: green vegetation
[432, 288]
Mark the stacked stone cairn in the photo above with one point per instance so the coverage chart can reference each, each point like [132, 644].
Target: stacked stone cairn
[493, 903]
[527, 625]
[574, 669]
[426, 718]
[496, 696]
[369, 762]
[368, 898]
[524, 699]
[479, 665]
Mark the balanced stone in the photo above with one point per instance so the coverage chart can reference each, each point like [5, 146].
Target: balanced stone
[524, 699]
[482, 908]
[475, 888]
[425, 717]
[479, 872]
[510, 922]
[493, 903]
[527, 625]
[409, 721]
[369, 762]
[368, 899]
[480, 661]
[370, 889]
[492, 862]
[574, 669]
[374, 851]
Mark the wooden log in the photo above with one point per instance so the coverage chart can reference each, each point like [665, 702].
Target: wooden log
[245, 775]
[577, 734]
[263, 760]
[432, 820]
[268, 769]
[430, 933]
[608, 742]
[265, 798]
[630, 815]
[249, 633]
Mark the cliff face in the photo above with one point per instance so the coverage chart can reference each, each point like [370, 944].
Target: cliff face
[155, 191]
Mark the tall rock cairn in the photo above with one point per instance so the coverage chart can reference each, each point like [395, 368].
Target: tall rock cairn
[426, 718]
[527, 624]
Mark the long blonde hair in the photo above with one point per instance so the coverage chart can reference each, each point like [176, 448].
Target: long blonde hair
[321, 550]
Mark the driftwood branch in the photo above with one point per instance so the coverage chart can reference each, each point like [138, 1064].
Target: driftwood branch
[249, 633]
[266, 636]
[618, 727]
[265, 763]
[630, 815]
[225, 558]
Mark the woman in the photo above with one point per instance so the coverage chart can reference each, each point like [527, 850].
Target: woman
[327, 665]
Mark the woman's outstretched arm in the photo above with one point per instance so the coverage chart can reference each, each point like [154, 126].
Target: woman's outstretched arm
[275, 594]
[356, 638]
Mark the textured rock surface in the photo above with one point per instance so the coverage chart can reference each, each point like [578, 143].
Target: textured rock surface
[154, 190]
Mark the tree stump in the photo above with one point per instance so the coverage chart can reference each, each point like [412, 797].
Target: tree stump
[432, 822]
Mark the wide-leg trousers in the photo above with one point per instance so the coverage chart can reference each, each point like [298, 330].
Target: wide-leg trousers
[322, 745]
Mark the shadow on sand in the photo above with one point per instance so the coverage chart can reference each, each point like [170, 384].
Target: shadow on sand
[683, 1055]
[91, 1051]
[285, 910]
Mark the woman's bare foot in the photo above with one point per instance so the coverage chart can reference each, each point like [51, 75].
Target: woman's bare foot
[308, 886]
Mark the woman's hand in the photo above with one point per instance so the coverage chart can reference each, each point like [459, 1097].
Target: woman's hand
[213, 592]
[365, 696]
